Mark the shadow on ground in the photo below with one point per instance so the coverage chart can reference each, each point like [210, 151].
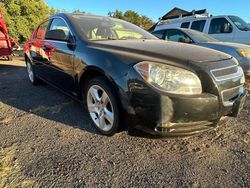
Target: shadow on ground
[44, 100]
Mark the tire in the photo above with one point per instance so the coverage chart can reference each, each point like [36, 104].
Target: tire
[10, 58]
[102, 106]
[31, 74]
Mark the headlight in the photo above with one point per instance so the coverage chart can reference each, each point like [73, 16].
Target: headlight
[243, 52]
[169, 79]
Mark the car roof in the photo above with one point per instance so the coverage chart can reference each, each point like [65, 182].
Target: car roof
[181, 29]
[77, 14]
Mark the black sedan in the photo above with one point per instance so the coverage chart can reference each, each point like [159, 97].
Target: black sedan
[126, 76]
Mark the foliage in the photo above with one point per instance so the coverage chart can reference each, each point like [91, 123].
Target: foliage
[23, 16]
[133, 17]
[79, 11]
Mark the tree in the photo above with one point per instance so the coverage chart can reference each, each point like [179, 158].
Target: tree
[133, 17]
[79, 11]
[23, 16]
[117, 14]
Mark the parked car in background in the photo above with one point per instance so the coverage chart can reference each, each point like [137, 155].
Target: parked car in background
[225, 28]
[123, 73]
[240, 51]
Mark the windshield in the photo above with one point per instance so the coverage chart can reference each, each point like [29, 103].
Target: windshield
[106, 28]
[200, 37]
[241, 24]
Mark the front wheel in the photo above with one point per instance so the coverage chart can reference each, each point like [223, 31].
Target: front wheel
[102, 105]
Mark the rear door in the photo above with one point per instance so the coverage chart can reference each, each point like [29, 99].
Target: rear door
[60, 66]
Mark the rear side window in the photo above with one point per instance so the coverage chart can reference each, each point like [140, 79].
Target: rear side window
[220, 25]
[198, 25]
[159, 34]
[185, 25]
[175, 35]
[40, 34]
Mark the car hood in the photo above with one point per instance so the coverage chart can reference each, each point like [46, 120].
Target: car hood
[225, 44]
[161, 49]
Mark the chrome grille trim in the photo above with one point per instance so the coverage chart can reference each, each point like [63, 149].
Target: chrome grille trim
[235, 70]
[236, 92]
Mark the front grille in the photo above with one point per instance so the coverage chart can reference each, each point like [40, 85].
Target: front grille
[230, 95]
[226, 73]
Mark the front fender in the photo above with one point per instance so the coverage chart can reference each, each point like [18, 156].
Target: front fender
[111, 65]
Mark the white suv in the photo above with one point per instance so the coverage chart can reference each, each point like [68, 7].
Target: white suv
[224, 28]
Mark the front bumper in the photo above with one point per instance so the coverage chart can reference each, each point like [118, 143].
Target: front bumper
[182, 129]
[177, 115]
[184, 116]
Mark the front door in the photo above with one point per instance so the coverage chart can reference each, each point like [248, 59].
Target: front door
[221, 29]
[60, 55]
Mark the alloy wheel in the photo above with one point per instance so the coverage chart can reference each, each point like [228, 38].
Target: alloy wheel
[30, 72]
[100, 108]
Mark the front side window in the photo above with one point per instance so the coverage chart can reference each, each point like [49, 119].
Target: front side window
[106, 28]
[176, 36]
[159, 34]
[219, 26]
[58, 30]
[40, 34]
[185, 25]
[198, 25]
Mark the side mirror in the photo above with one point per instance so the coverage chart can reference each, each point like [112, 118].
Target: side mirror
[186, 40]
[57, 34]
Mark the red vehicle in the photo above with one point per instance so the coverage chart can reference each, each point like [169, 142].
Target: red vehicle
[6, 43]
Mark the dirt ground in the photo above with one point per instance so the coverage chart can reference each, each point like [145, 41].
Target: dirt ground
[46, 140]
